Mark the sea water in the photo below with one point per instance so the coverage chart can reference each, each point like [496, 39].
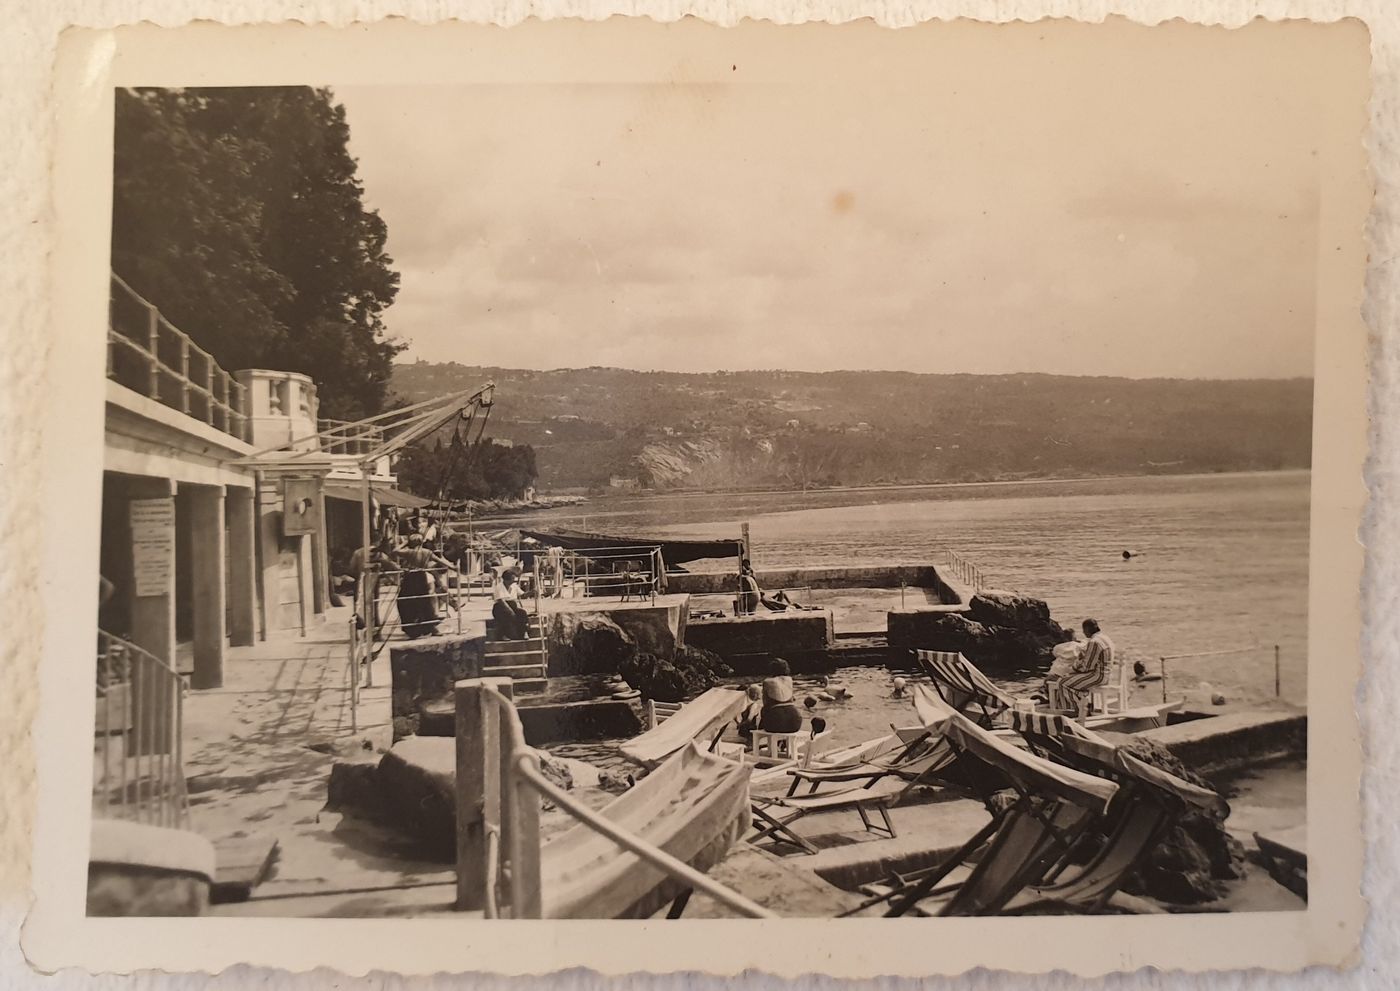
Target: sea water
[1219, 561]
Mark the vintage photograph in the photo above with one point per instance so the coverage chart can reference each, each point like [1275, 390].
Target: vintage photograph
[840, 490]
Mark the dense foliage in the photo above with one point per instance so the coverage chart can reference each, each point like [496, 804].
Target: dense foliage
[460, 470]
[237, 212]
[798, 429]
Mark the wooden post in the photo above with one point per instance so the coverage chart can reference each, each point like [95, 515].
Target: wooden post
[209, 389]
[523, 840]
[1164, 679]
[478, 785]
[153, 343]
[744, 539]
[185, 375]
[1278, 685]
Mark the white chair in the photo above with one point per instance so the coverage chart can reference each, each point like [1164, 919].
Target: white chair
[659, 712]
[768, 749]
[1115, 689]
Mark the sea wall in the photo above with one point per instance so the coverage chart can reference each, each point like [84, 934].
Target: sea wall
[778, 633]
[773, 579]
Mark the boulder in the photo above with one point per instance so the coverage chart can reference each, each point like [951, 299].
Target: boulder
[692, 672]
[991, 648]
[1019, 612]
[588, 643]
[1188, 865]
[424, 670]
[354, 785]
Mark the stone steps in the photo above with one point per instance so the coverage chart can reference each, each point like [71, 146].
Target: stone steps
[516, 672]
[512, 646]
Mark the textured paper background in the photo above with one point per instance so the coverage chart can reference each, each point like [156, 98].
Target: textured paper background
[31, 34]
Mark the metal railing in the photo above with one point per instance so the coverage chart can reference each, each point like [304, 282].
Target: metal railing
[1229, 651]
[138, 770]
[627, 572]
[150, 355]
[499, 785]
[964, 570]
[345, 437]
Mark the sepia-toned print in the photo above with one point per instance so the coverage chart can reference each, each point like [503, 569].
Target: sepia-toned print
[706, 485]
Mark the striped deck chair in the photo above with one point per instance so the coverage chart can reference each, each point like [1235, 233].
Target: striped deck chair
[916, 754]
[1151, 802]
[1027, 842]
[964, 687]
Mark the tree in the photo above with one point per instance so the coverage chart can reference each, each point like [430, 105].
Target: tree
[238, 212]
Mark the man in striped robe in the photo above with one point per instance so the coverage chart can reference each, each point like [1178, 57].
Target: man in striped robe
[1090, 671]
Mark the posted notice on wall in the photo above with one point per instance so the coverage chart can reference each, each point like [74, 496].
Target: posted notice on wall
[153, 544]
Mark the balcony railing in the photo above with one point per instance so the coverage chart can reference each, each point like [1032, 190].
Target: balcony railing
[138, 766]
[342, 437]
[150, 355]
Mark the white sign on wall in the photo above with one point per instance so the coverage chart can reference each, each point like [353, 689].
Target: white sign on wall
[153, 544]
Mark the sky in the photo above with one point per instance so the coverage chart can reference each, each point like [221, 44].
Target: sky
[1144, 209]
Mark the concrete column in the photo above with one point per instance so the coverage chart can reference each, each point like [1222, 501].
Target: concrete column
[270, 537]
[320, 558]
[207, 590]
[153, 615]
[242, 589]
[152, 623]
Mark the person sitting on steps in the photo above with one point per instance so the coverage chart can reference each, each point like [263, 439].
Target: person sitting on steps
[512, 621]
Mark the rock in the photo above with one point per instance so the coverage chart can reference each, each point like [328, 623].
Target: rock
[558, 774]
[1027, 645]
[354, 785]
[1019, 612]
[1187, 865]
[417, 792]
[693, 671]
[1217, 699]
[588, 643]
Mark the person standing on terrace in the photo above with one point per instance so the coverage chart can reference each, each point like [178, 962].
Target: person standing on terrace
[1090, 670]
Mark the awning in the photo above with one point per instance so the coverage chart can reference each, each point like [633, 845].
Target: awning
[355, 492]
[673, 550]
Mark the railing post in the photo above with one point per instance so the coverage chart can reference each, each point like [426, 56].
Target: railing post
[153, 343]
[184, 375]
[523, 839]
[478, 784]
[209, 389]
[1278, 685]
[1164, 679]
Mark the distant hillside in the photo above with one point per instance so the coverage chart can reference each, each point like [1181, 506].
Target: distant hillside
[761, 429]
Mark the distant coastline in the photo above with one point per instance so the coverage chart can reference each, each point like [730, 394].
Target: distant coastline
[548, 502]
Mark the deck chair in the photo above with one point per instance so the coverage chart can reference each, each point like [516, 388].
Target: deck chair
[695, 806]
[1027, 841]
[705, 717]
[774, 816]
[915, 755]
[1151, 802]
[963, 687]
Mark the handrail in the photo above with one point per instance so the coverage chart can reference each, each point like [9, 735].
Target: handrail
[521, 767]
[143, 739]
[223, 399]
[1278, 676]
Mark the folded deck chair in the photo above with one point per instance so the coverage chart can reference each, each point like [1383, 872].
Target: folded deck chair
[1151, 801]
[1028, 841]
[704, 718]
[695, 806]
[917, 756]
[963, 687]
